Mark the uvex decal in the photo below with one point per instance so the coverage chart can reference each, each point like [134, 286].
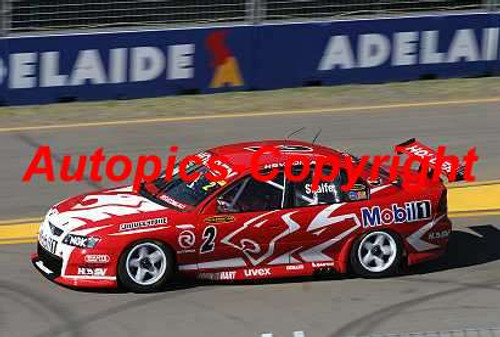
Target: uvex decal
[261, 272]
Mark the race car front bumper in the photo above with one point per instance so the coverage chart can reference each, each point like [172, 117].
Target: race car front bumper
[51, 267]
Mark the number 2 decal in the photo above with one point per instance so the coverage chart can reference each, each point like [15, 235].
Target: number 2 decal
[208, 236]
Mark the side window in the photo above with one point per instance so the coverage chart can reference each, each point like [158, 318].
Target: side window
[249, 195]
[328, 192]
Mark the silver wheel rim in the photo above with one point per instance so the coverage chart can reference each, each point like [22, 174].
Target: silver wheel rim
[377, 252]
[146, 263]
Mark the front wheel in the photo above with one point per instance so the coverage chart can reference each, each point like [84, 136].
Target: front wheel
[377, 254]
[146, 266]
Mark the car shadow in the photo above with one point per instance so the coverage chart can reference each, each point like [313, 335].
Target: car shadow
[477, 245]
[474, 245]
[179, 283]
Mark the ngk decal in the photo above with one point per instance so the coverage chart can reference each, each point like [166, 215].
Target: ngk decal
[261, 272]
[410, 212]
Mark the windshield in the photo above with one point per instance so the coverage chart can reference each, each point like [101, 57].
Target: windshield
[180, 194]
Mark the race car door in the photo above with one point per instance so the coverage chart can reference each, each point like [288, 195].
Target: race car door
[244, 227]
[326, 217]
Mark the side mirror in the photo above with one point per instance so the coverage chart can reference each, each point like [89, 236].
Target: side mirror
[358, 192]
[224, 207]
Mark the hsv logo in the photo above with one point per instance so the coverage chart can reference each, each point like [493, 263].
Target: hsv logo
[412, 211]
[257, 272]
[92, 271]
[225, 64]
[439, 235]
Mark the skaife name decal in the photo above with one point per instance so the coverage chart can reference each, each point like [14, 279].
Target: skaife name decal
[410, 212]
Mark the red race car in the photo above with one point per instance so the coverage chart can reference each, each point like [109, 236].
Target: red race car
[241, 228]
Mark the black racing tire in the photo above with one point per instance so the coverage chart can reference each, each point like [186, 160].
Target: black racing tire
[377, 254]
[146, 266]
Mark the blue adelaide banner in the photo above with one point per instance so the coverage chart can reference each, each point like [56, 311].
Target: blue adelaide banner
[373, 51]
[123, 65]
[44, 69]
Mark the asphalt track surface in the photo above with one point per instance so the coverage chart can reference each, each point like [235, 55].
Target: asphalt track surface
[462, 290]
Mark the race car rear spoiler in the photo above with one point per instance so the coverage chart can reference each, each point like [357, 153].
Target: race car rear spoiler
[451, 169]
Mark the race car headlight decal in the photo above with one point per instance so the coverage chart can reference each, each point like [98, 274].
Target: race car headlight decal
[80, 241]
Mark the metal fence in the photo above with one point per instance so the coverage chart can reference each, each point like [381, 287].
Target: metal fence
[19, 16]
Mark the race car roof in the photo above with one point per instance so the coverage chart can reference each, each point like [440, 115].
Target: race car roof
[240, 154]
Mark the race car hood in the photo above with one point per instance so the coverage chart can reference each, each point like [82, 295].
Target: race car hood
[102, 208]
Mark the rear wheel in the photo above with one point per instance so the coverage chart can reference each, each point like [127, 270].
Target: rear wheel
[146, 266]
[377, 254]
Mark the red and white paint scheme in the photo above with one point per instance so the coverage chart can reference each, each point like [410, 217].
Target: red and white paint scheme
[240, 228]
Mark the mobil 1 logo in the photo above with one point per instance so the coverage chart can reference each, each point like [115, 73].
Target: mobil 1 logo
[396, 214]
